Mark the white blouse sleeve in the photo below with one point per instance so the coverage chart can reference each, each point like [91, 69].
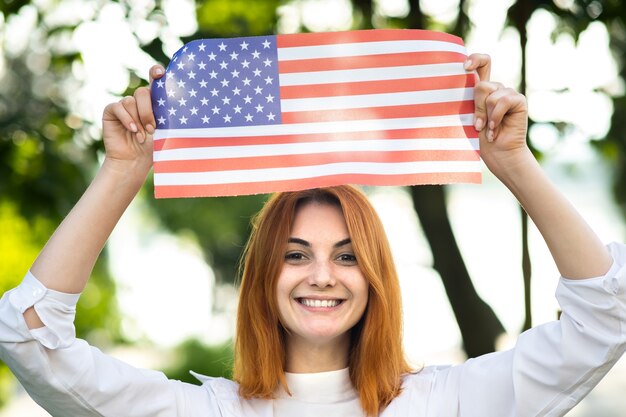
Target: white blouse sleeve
[553, 366]
[67, 377]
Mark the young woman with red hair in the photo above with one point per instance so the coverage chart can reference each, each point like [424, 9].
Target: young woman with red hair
[319, 326]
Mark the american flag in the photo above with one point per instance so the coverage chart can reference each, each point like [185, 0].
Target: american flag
[277, 113]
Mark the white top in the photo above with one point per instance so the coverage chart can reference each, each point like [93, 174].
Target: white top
[551, 368]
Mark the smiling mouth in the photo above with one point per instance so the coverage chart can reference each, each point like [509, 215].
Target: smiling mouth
[309, 302]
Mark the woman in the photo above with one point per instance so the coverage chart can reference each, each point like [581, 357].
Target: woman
[318, 331]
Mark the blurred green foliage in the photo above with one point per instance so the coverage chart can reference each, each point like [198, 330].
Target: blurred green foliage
[201, 358]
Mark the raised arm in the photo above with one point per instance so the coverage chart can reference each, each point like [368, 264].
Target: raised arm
[67, 260]
[501, 116]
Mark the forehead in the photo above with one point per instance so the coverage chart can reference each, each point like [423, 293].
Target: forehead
[314, 219]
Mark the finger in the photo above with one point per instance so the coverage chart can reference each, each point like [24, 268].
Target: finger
[156, 72]
[144, 109]
[499, 104]
[116, 111]
[482, 91]
[481, 63]
[130, 105]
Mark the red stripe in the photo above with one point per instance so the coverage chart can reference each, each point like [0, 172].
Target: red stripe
[376, 87]
[369, 61]
[217, 190]
[387, 112]
[284, 161]
[328, 38]
[425, 132]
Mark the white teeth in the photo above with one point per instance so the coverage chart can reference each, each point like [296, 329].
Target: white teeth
[319, 303]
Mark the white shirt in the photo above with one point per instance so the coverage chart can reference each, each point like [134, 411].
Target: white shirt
[551, 368]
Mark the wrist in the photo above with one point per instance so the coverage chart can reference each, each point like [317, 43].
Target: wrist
[131, 173]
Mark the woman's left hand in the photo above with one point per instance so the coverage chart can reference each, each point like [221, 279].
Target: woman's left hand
[501, 117]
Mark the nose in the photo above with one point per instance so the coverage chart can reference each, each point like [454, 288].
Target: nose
[322, 275]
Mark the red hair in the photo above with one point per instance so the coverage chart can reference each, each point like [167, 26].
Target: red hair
[377, 337]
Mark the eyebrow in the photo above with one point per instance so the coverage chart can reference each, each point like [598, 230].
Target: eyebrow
[303, 242]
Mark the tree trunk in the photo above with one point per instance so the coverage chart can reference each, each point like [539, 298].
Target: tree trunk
[477, 322]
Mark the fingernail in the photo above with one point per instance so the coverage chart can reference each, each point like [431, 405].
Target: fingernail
[150, 129]
[467, 64]
[133, 127]
[140, 137]
[479, 124]
[490, 136]
[158, 71]
[492, 125]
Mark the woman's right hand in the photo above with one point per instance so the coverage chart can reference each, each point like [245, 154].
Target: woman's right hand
[128, 126]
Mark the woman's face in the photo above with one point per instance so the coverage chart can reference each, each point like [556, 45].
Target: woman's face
[321, 291]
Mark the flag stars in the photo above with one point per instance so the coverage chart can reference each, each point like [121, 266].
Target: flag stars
[191, 75]
[234, 56]
[223, 65]
[236, 91]
[225, 82]
[202, 65]
[269, 98]
[212, 56]
[171, 111]
[258, 90]
[204, 101]
[256, 54]
[203, 84]
[235, 74]
[213, 74]
[226, 100]
[257, 72]
[214, 92]
[180, 65]
[259, 108]
[248, 117]
[227, 119]
[216, 110]
[181, 84]
[160, 84]
[191, 57]
[201, 47]
[267, 62]
[205, 119]
[222, 46]
[246, 81]
[169, 75]
[247, 99]
[182, 102]
[161, 120]
[244, 45]
[245, 63]
[171, 93]
[161, 102]
[266, 44]
[194, 111]
[270, 116]
[268, 80]
[192, 93]
[183, 120]
[237, 109]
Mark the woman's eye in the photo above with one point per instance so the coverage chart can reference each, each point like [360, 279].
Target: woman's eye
[347, 258]
[294, 256]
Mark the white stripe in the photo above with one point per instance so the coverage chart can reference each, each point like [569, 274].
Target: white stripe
[319, 127]
[370, 74]
[293, 173]
[385, 145]
[377, 100]
[366, 48]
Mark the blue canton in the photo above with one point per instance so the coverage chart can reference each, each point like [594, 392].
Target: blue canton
[219, 83]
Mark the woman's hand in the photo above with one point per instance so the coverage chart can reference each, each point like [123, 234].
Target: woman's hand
[501, 118]
[128, 126]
